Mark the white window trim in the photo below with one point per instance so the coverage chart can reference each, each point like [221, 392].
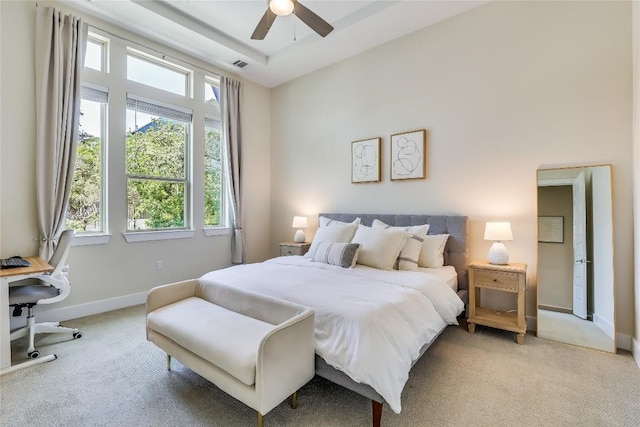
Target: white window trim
[216, 231]
[99, 94]
[90, 239]
[147, 236]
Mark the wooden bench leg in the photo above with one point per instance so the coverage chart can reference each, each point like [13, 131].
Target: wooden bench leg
[294, 400]
[376, 408]
[260, 420]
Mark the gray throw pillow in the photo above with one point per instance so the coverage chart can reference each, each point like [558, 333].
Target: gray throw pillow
[342, 254]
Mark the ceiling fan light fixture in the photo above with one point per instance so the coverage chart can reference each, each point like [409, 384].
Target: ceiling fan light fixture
[281, 7]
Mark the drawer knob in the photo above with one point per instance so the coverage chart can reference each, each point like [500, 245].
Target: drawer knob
[495, 280]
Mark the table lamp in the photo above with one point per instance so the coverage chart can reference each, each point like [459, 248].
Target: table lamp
[299, 222]
[499, 232]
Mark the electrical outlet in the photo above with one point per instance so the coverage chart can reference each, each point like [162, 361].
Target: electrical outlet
[159, 265]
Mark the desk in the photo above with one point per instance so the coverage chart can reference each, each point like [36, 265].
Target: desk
[8, 275]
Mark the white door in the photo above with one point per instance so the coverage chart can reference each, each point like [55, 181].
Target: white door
[579, 247]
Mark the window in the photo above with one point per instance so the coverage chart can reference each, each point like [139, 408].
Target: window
[159, 74]
[153, 103]
[156, 165]
[213, 156]
[96, 55]
[86, 201]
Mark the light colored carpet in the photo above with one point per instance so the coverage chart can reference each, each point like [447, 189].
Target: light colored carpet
[570, 329]
[113, 377]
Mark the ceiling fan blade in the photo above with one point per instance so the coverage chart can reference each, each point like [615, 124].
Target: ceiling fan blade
[316, 23]
[264, 25]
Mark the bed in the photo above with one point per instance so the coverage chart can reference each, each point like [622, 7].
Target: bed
[370, 354]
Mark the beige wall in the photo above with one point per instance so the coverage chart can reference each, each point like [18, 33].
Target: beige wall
[501, 90]
[107, 274]
[555, 281]
[636, 175]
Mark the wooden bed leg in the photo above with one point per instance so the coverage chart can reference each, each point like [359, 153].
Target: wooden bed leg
[376, 412]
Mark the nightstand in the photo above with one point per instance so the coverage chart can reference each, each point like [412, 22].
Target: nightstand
[291, 248]
[505, 278]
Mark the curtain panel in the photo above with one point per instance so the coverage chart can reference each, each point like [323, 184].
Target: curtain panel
[61, 42]
[230, 94]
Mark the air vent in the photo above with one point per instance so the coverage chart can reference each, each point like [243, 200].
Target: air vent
[240, 64]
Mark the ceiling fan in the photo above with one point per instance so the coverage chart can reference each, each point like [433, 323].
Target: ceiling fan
[284, 8]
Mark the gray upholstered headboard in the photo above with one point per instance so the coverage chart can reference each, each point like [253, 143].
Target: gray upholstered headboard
[455, 253]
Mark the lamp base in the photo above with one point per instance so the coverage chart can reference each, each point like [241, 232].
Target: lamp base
[498, 254]
[299, 237]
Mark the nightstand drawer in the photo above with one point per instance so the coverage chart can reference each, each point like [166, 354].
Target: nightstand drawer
[289, 249]
[496, 279]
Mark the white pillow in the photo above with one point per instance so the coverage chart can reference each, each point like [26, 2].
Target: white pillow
[379, 248]
[341, 254]
[432, 253]
[410, 253]
[324, 221]
[335, 233]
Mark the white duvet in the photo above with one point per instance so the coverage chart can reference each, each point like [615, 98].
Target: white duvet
[369, 323]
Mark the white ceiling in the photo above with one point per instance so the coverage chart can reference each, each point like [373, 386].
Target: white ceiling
[219, 32]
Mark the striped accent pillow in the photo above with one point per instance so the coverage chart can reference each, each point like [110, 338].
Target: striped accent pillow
[342, 254]
[324, 221]
[410, 253]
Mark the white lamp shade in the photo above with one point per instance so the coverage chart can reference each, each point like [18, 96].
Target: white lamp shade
[299, 222]
[498, 231]
[281, 7]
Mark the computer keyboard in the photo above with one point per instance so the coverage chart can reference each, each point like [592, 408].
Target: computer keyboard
[14, 262]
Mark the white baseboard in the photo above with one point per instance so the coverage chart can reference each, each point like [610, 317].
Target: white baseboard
[623, 341]
[636, 351]
[51, 313]
[603, 325]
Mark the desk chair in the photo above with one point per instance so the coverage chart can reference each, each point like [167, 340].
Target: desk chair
[46, 288]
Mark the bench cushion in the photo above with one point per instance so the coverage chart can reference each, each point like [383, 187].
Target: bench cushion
[223, 337]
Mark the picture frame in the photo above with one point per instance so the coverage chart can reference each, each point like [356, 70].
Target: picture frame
[408, 151]
[551, 229]
[365, 160]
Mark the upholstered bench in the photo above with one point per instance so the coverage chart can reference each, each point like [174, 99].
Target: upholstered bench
[256, 348]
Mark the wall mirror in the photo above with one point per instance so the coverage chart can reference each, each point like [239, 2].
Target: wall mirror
[575, 257]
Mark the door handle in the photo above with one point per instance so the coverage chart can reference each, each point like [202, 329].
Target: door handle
[582, 261]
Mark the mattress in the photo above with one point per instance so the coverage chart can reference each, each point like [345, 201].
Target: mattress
[447, 274]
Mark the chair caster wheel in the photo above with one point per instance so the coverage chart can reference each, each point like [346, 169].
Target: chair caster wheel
[33, 354]
[77, 335]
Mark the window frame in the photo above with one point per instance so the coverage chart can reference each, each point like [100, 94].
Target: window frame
[162, 63]
[186, 179]
[213, 113]
[104, 57]
[115, 51]
[98, 92]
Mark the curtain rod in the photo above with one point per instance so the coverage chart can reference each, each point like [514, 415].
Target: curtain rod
[164, 55]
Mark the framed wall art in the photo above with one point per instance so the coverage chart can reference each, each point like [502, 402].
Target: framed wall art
[551, 229]
[365, 160]
[408, 155]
